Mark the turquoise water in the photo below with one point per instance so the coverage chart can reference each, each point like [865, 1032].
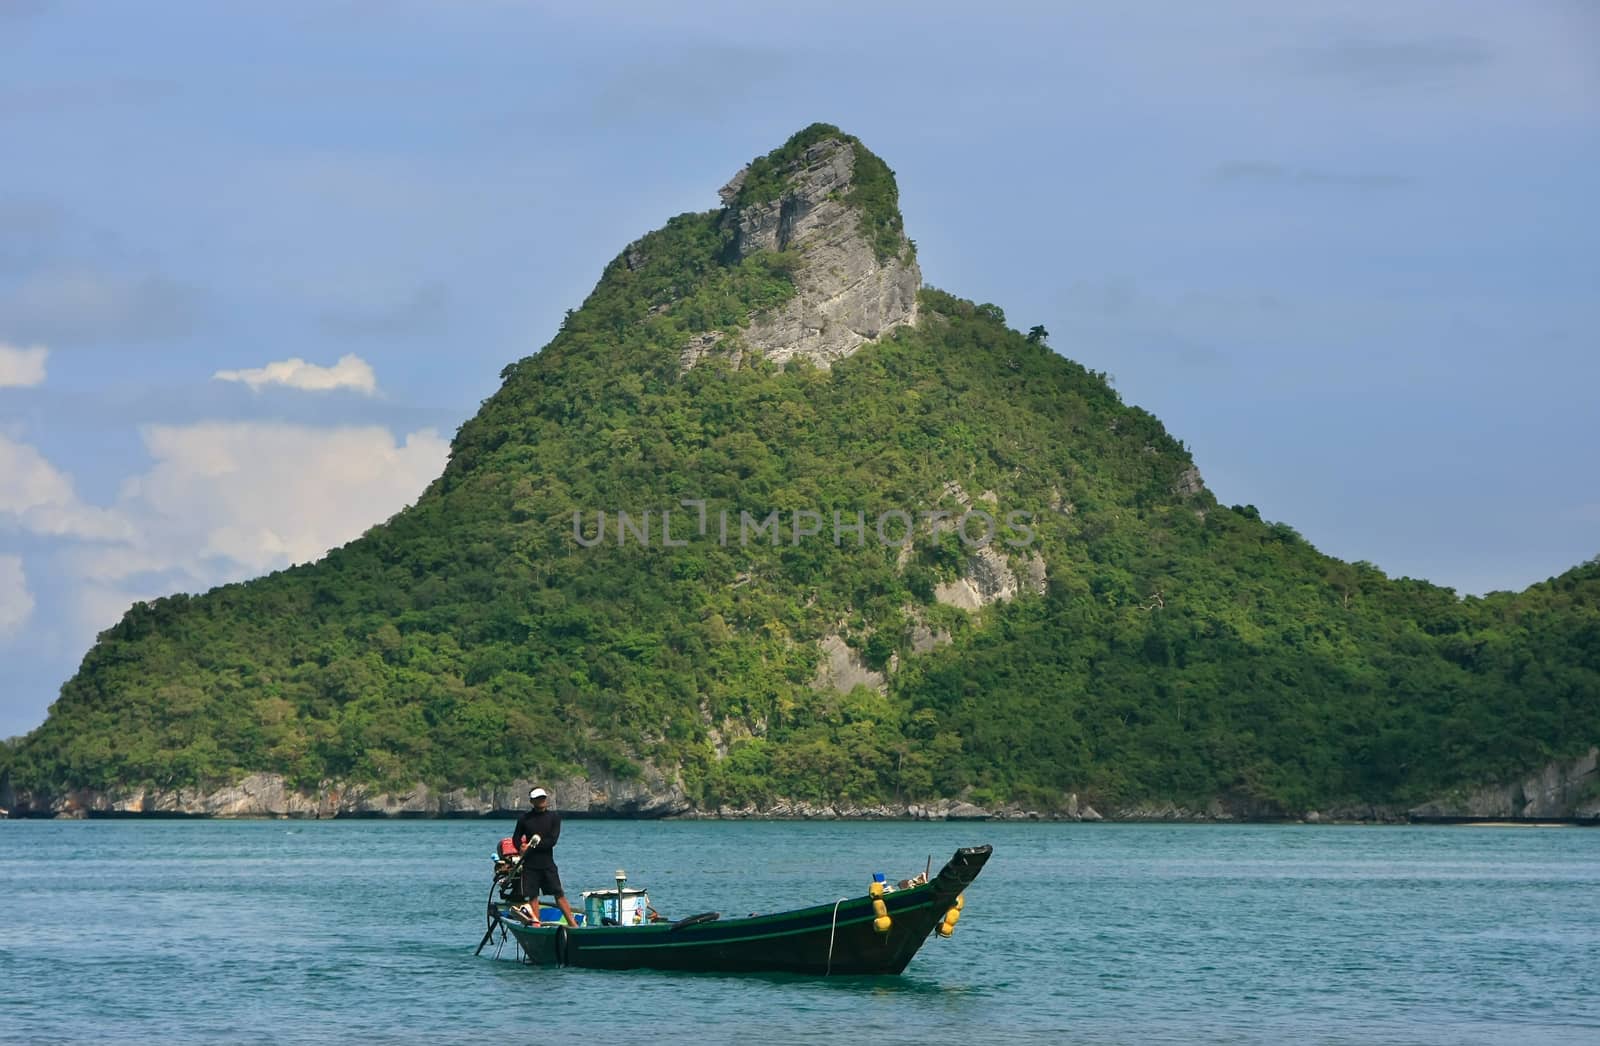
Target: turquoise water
[363, 931]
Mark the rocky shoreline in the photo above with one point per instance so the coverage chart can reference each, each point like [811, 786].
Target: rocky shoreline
[1565, 791]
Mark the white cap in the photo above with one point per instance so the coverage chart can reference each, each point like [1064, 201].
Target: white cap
[537, 793]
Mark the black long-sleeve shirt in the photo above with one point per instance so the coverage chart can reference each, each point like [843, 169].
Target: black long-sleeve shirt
[547, 826]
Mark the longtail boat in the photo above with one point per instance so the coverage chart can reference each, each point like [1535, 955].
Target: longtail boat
[877, 933]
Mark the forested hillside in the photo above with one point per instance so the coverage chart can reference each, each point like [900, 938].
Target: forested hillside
[1151, 643]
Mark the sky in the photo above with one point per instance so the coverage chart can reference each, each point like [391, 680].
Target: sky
[258, 261]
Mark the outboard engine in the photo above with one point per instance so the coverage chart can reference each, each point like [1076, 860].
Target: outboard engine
[508, 872]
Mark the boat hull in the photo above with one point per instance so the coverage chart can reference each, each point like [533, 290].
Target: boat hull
[825, 939]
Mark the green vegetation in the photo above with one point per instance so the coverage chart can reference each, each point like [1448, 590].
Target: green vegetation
[873, 189]
[1182, 650]
[768, 175]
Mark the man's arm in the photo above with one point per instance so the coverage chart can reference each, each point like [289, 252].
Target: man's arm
[521, 838]
[554, 831]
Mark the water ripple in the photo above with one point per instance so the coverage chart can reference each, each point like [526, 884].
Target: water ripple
[258, 932]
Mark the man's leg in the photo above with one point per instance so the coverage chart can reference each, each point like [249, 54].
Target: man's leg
[529, 891]
[552, 882]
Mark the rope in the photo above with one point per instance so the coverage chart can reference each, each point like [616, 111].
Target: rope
[831, 930]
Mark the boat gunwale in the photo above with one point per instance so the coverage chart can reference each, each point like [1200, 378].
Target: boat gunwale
[850, 911]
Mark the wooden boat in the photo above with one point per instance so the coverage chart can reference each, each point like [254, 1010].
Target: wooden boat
[844, 937]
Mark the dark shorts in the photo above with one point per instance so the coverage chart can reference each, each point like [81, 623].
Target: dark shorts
[540, 882]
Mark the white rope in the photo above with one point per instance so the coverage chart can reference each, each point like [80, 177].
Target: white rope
[831, 929]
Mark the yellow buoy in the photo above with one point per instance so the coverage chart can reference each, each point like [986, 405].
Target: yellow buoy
[961, 901]
[876, 889]
[882, 923]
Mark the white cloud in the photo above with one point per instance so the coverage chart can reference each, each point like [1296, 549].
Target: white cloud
[222, 502]
[21, 368]
[228, 500]
[16, 602]
[351, 372]
[97, 607]
[40, 499]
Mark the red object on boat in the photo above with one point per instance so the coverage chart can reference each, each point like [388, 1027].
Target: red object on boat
[508, 848]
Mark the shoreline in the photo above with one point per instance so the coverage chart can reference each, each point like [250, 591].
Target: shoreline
[1038, 819]
[1561, 793]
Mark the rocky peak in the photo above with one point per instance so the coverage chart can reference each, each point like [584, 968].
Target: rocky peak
[809, 202]
[825, 198]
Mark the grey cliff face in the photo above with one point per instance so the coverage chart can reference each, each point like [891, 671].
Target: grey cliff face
[596, 792]
[1561, 789]
[845, 297]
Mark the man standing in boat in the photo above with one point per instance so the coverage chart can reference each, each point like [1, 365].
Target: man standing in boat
[535, 839]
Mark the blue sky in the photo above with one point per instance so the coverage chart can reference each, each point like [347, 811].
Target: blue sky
[1345, 251]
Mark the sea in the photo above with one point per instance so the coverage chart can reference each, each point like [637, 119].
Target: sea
[362, 932]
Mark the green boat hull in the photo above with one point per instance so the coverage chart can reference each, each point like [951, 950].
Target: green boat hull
[825, 939]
